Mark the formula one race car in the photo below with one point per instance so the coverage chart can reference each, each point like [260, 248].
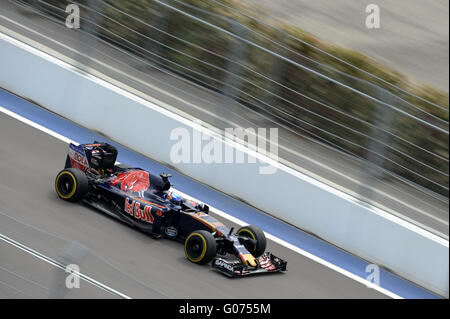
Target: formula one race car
[147, 202]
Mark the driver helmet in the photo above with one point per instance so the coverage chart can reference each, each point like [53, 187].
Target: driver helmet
[174, 197]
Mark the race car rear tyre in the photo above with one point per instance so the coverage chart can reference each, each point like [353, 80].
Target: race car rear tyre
[255, 233]
[71, 184]
[200, 247]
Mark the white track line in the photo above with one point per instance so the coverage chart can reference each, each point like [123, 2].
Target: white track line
[61, 266]
[299, 154]
[234, 144]
[227, 216]
[300, 251]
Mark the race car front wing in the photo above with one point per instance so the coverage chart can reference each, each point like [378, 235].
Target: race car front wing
[267, 263]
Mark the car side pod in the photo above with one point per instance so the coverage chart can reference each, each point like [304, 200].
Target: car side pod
[267, 263]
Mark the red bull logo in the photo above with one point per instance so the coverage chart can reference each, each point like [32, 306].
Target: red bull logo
[134, 209]
[135, 181]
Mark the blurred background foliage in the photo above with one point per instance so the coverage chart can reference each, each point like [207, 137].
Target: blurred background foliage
[300, 101]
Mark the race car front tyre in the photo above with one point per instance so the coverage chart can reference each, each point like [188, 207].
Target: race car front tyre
[258, 245]
[71, 184]
[200, 247]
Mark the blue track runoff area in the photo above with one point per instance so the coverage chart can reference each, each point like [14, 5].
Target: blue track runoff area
[216, 199]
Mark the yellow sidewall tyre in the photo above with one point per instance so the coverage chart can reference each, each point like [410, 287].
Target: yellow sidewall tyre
[71, 184]
[255, 233]
[200, 247]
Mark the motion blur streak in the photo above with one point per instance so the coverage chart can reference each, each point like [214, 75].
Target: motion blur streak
[297, 262]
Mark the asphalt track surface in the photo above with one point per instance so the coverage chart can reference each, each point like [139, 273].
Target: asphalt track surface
[133, 75]
[33, 215]
[25, 276]
[121, 260]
